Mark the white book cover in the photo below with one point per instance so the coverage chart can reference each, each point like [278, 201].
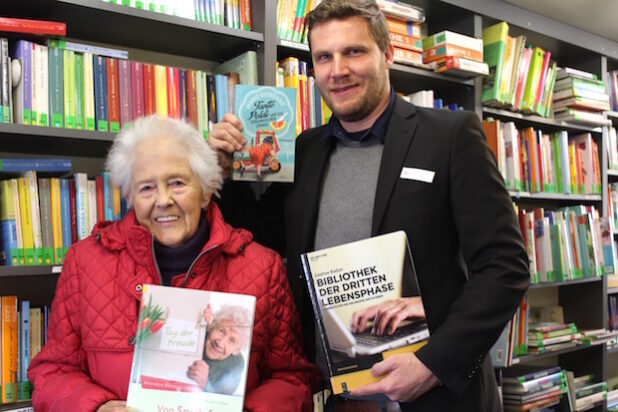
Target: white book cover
[81, 205]
[92, 204]
[42, 84]
[192, 350]
[89, 122]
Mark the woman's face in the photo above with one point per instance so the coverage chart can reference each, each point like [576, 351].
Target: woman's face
[167, 196]
[223, 340]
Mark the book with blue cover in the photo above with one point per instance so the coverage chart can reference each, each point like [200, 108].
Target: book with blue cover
[268, 115]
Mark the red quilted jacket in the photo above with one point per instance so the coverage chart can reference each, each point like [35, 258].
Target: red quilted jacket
[87, 359]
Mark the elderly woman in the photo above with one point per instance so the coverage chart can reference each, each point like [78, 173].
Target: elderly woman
[173, 235]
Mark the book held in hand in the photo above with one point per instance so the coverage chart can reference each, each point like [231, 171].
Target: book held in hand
[350, 286]
[268, 115]
[191, 350]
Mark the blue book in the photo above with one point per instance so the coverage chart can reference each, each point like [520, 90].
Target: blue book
[108, 197]
[65, 215]
[437, 104]
[24, 342]
[100, 94]
[40, 165]
[221, 96]
[9, 251]
[268, 115]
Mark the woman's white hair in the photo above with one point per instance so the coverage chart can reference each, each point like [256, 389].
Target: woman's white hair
[201, 157]
[240, 318]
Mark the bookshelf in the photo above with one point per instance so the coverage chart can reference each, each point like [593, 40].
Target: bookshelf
[204, 45]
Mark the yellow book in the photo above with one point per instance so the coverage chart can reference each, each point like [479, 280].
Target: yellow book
[18, 227]
[56, 220]
[35, 216]
[291, 79]
[528, 100]
[35, 331]
[8, 330]
[89, 121]
[26, 220]
[507, 66]
[116, 202]
[160, 76]
[494, 48]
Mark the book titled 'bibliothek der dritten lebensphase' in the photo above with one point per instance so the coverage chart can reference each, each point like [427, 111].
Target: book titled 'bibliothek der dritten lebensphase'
[346, 279]
[191, 350]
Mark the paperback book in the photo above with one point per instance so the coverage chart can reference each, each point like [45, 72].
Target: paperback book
[191, 351]
[268, 115]
[346, 284]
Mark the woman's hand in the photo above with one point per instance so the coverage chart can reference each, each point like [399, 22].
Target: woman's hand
[113, 406]
[226, 138]
[387, 316]
[198, 372]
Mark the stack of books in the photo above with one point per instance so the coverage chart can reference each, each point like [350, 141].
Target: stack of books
[580, 97]
[404, 29]
[598, 337]
[585, 393]
[455, 53]
[526, 387]
[551, 336]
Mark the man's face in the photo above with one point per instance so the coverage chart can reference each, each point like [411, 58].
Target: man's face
[223, 340]
[350, 69]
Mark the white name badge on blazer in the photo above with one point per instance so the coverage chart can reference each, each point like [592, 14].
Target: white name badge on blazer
[413, 173]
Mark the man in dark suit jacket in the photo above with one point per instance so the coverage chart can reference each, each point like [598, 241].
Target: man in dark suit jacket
[436, 179]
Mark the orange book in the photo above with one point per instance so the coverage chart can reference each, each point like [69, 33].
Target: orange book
[405, 42]
[446, 49]
[8, 329]
[245, 14]
[173, 92]
[492, 129]
[113, 95]
[191, 98]
[405, 27]
[98, 181]
[529, 136]
[406, 56]
[149, 90]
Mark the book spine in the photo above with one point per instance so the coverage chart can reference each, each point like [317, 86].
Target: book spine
[8, 349]
[79, 92]
[149, 90]
[160, 90]
[18, 222]
[91, 188]
[65, 215]
[46, 221]
[407, 56]
[44, 27]
[89, 100]
[124, 80]
[245, 14]
[33, 196]
[444, 50]
[192, 98]
[88, 48]
[108, 197]
[100, 198]
[81, 205]
[113, 100]
[34, 90]
[24, 342]
[455, 39]
[137, 89]
[56, 220]
[100, 93]
[405, 42]
[404, 27]
[5, 93]
[9, 228]
[22, 99]
[182, 94]
[69, 89]
[56, 87]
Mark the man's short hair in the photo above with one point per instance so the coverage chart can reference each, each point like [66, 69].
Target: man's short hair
[329, 10]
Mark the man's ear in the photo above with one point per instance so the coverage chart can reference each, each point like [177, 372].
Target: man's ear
[389, 55]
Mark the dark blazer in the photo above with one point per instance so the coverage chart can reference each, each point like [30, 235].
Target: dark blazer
[470, 259]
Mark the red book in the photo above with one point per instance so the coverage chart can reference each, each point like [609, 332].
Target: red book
[100, 198]
[137, 89]
[124, 89]
[54, 28]
[191, 98]
[173, 92]
[73, 206]
[113, 99]
[149, 90]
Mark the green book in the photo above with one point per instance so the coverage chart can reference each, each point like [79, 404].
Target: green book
[494, 47]
[56, 87]
[245, 65]
[79, 91]
[69, 88]
[532, 81]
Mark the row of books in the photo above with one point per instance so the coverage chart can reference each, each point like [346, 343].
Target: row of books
[567, 244]
[64, 85]
[40, 217]
[454, 53]
[230, 13]
[521, 77]
[532, 387]
[533, 161]
[23, 331]
[311, 110]
[291, 19]
[580, 97]
[513, 341]
[425, 98]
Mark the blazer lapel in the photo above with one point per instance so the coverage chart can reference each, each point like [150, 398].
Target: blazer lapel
[399, 136]
[315, 165]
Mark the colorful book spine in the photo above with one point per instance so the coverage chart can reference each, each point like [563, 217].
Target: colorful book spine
[47, 236]
[56, 87]
[81, 205]
[150, 106]
[24, 341]
[8, 348]
[56, 220]
[160, 90]
[113, 98]
[137, 89]
[69, 88]
[124, 82]
[65, 216]
[89, 100]
[100, 94]
[22, 93]
[79, 92]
